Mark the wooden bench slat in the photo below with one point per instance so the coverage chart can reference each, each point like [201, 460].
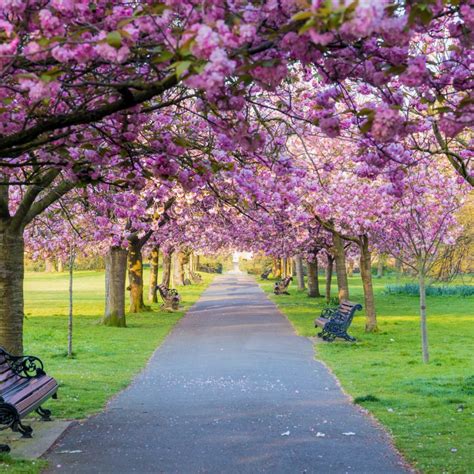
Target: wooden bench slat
[35, 399]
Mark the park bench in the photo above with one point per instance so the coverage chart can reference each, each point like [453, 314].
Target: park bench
[265, 274]
[169, 296]
[24, 387]
[336, 321]
[195, 277]
[281, 286]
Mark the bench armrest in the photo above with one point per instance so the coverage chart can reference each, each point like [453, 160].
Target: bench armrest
[25, 366]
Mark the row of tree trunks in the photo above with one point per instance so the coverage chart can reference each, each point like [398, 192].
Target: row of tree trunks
[154, 263]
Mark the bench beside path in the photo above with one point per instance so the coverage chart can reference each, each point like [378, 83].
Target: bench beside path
[232, 389]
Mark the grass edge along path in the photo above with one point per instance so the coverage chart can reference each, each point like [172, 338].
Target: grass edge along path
[106, 359]
[428, 409]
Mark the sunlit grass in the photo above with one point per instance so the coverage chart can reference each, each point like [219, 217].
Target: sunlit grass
[428, 408]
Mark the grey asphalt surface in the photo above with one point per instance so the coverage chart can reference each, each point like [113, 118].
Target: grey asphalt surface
[232, 390]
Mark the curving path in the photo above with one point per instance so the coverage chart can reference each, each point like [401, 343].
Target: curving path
[232, 390]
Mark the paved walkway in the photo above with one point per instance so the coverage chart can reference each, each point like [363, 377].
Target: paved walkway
[232, 390]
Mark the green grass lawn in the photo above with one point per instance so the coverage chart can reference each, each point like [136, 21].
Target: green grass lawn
[429, 409]
[106, 359]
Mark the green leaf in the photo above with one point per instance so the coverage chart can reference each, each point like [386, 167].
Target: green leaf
[181, 67]
[114, 39]
[163, 57]
[302, 16]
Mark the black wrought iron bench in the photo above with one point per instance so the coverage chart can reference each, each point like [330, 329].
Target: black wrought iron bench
[336, 321]
[281, 287]
[265, 274]
[169, 296]
[24, 387]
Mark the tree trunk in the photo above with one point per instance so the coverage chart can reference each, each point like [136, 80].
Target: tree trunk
[329, 268]
[49, 265]
[366, 275]
[380, 266]
[341, 274]
[115, 278]
[423, 326]
[72, 258]
[276, 268]
[11, 289]
[313, 280]
[135, 277]
[60, 265]
[289, 266]
[284, 265]
[196, 263]
[186, 263]
[166, 277]
[178, 269]
[350, 269]
[299, 272]
[398, 265]
[154, 262]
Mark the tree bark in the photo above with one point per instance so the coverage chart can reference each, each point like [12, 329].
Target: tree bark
[11, 288]
[178, 269]
[289, 266]
[166, 277]
[60, 265]
[329, 269]
[154, 262]
[380, 266]
[366, 275]
[341, 273]
[423, 325]
[284, 265]
[276, 268]
[135, 277]
[350, 269]
[299, 272]
[115, 281]
[49, 265]
[313, 280]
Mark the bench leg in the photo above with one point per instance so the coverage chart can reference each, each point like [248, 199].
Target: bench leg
[4, 448]
[44, 413]
[348, 338]
[25, 430]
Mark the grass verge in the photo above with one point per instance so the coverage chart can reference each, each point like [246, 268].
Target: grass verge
[105, 359]
[429, 409]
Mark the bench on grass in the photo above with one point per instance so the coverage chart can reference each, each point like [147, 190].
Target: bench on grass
[24, 387]
[265, 274]
[281, 286]
[169, 296]
[195, 277]
[335, 322]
